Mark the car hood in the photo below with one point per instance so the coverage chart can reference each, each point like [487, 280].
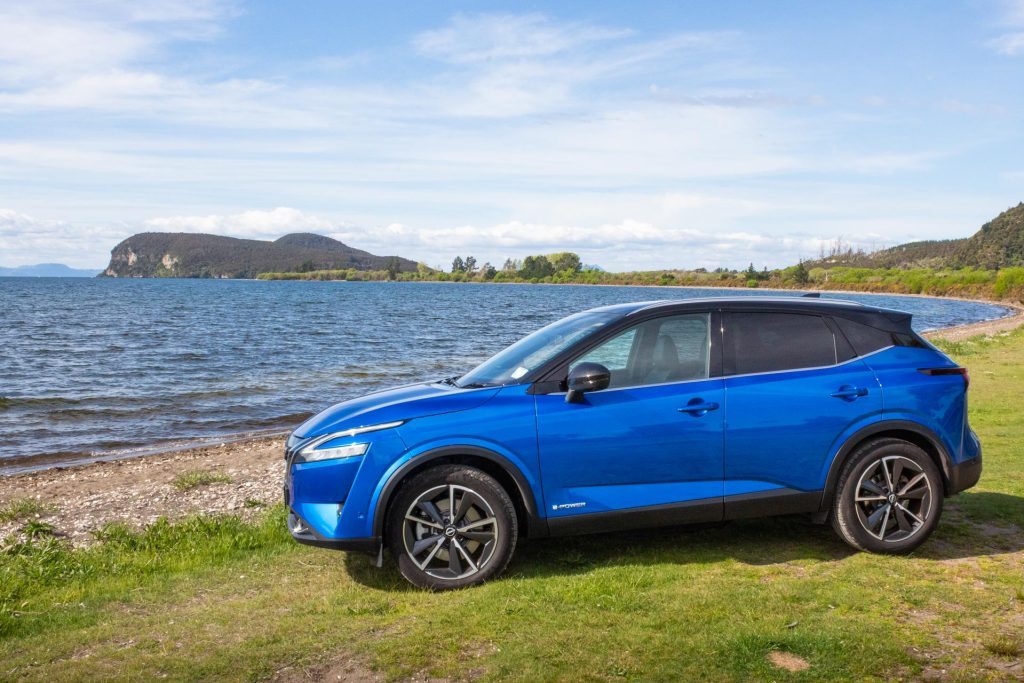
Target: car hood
[392, 405]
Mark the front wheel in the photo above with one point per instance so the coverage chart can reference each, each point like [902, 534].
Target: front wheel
[889, 497]
[451, 526]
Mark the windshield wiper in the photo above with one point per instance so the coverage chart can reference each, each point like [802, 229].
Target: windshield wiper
[473, 385]
[450, 381]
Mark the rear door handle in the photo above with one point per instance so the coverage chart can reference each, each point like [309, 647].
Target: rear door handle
[848, 392]
[698, 407]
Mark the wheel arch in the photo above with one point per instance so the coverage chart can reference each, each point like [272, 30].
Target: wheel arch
[912, 432]
[498, 466]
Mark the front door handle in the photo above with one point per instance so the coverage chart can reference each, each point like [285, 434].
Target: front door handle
[848, 392]
[698, 407]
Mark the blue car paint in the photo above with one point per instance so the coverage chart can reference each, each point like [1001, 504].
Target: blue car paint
[784, 426]
[391, 405]
[620, 446]
[939, 404]
[622, 449]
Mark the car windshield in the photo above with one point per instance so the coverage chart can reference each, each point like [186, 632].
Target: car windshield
[531, 352]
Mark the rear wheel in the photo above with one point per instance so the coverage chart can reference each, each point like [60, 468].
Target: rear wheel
[889, 497]
[451, 526]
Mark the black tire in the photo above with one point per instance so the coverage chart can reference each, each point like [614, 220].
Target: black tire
[420, 526]
[888, 498]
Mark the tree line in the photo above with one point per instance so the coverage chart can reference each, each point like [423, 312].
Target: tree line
[565, 263]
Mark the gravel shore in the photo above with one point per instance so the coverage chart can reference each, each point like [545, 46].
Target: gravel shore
[79, 500]
[76, 501]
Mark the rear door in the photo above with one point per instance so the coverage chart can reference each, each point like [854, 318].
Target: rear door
[792, 395]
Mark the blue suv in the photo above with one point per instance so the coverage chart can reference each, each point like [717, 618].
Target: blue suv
[641, 415]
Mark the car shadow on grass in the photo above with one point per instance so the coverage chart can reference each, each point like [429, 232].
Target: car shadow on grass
[973, 525]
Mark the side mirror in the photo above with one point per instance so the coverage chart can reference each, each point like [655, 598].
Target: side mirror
[586, 377]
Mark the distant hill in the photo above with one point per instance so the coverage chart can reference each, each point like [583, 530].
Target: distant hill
[175, 254]
[998, 244]
[46, 270]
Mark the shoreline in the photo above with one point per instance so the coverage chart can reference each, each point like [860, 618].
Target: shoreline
[78, 499]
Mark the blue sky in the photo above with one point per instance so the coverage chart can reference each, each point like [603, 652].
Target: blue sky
[641, 134]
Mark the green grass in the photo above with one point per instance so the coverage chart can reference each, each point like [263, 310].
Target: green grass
[221, 599]
[193, 479]
[23, 508]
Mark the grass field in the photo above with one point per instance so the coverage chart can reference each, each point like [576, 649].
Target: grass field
[770, 599]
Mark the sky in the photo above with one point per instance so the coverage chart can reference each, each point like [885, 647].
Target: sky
[641, 135]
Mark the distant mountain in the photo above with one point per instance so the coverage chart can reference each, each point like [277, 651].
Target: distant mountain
[998, 244]
[46, 270]
[175, 254]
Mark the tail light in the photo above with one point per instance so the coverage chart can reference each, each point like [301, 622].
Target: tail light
[963, 372]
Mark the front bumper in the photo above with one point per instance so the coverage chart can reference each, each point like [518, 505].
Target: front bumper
[305, 534]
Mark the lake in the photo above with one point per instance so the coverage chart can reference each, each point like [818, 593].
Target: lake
[115, 368]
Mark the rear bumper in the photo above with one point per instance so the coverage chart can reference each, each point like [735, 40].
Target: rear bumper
[964, 475]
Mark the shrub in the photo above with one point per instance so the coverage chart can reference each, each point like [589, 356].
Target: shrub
[1010, 282]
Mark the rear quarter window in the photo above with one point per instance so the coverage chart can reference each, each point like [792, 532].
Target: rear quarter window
[864, 338]
[772, 342]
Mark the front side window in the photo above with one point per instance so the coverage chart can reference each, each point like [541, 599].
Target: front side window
[772, 342]
[671, 349]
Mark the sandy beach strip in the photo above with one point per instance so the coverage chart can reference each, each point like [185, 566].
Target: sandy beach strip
[79, 500]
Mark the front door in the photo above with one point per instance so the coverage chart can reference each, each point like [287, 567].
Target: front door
[646, 450]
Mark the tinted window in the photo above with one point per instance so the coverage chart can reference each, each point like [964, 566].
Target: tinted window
[671, 349]
[864, 338]
[769, 342]
[614, 354]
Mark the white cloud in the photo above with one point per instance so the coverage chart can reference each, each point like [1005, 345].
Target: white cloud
[626, 245]
[468, 39]
[254, 224]
[1011, 16]
[1009, 44]
[53, 41]
[26, 240]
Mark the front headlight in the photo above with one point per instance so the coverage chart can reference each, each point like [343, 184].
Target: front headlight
[321, 448]
[313, 454]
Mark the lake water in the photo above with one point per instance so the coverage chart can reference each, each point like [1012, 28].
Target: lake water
[114, 368]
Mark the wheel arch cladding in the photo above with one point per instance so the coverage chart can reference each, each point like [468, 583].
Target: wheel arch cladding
[910, 432]
[497, 466]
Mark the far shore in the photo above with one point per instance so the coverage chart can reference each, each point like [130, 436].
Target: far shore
[80, 499]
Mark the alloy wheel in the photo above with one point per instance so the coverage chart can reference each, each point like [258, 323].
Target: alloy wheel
[450, 532]
[893, 498]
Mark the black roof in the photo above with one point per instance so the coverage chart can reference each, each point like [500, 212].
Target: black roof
[881, 318]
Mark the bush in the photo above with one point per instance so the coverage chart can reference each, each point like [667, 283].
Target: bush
[1010, 283]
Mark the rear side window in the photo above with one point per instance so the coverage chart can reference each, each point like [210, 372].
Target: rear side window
[771, 342]
[864, 338]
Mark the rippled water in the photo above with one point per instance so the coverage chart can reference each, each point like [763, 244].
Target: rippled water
[111, 368]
